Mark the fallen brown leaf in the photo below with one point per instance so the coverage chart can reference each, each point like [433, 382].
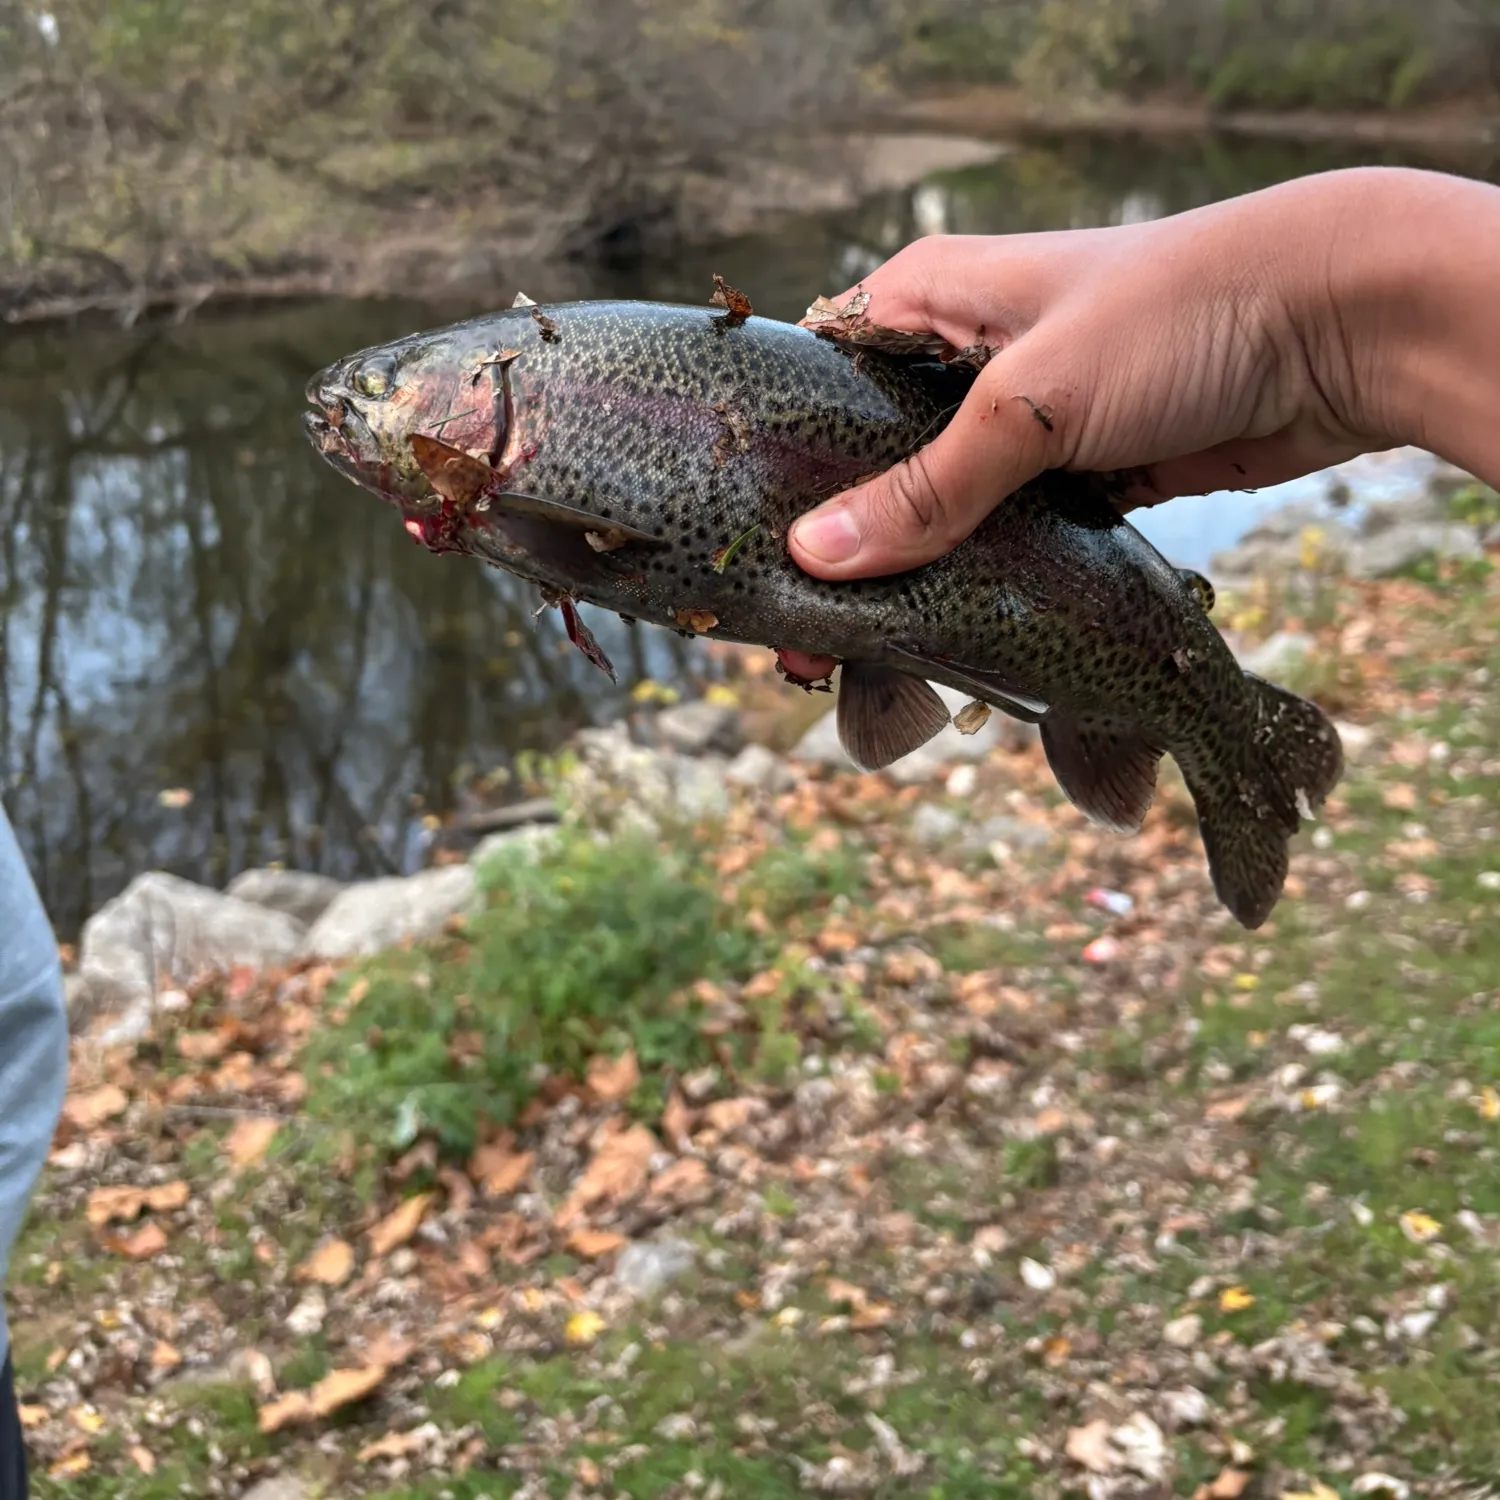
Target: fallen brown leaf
[397, 1228]
[143, 1459]
[148, 1241]
[71, 1466]
[164, 1356]
[498, 1170]
[339, 1389]
[394, 1445]
[1090, 1446]
[250, 1140]
[202, 1046]
[592, 1243]
[89, 1111]
[615, 1175]
[108, 1205]
[33, 1416]
[331, 1264]
[614, 1079]
[685, 1182]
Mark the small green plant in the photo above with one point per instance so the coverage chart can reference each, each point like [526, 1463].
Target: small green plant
[591, 947]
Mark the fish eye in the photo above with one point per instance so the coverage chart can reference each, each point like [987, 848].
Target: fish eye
[375, 377]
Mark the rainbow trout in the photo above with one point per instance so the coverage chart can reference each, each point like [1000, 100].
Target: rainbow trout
[648, 459]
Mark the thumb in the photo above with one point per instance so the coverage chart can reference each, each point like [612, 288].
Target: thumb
[1004, 434]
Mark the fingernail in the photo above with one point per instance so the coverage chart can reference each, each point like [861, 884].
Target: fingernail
[831, 535]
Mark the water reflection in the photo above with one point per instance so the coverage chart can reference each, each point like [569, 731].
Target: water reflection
[190, 600]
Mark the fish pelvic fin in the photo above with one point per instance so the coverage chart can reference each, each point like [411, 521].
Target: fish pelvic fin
[1105, 768]
[1292, 761]
[883, 714]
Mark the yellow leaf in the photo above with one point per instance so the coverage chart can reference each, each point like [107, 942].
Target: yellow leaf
[86, 1419]
[1489, 1104]
[33, 1416]
[1235, 1299]
[249, 1140]
[1319, 1491]
[584, 1327]
[71, 1466]
[1418, 1227]
[1247, 981]
[398, 1227]
[721, 696]
[331, 1264]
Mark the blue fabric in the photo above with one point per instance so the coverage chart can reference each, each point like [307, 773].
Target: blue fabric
[33, 1045]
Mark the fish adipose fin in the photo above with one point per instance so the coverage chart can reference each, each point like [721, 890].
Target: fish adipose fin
[999, 692]
[1106, 769]
[1293, 761]
[883, 714]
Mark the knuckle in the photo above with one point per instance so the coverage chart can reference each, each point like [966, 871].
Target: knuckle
[913, 504]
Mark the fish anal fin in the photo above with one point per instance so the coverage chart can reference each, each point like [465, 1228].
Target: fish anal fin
[993, 688]
[1106, 769]
[884, 714]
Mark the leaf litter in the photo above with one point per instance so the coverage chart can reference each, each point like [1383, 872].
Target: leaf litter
[1084, 1194]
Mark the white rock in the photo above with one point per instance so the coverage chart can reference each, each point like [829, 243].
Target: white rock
[306, 1318]
[1401, 546]
[279, 1487]
[1143, 1447]
[820, 745]
[298, 893]
[524, 843]
[1417, 1325]
[1188, 1407]
[645, 1267]
[694, 728]
[758, 768]
[378, 914]
[935, 825]
[161, 925]
[961, 781]
[1038, 1277]
[1279, 654]
[678, 1428]
[1375, 1483]
[1183, 1332]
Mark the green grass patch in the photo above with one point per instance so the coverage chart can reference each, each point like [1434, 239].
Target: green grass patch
[592, 948]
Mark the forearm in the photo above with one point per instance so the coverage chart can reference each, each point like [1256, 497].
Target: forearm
[1402, 314]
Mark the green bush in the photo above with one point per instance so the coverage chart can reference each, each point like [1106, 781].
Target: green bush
[589, 950]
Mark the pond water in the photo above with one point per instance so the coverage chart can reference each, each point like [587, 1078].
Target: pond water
[215, 653]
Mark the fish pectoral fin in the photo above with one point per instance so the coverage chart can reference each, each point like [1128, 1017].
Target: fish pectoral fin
[992, 687]
[609, 534]
[1106, 769]
[884, 714]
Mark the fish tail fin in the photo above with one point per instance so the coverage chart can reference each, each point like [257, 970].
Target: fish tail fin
[1289, 763]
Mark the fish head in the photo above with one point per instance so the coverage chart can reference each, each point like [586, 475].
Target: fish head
[448, 385]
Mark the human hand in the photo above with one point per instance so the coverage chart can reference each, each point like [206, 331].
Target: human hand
[1223, 348]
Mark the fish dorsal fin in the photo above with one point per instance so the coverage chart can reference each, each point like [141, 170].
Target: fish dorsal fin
[992, 687]
[884, 714]
[1107, 770]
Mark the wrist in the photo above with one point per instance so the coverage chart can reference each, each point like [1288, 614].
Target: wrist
[1396, 298]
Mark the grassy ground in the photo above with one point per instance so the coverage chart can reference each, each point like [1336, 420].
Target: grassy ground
[990, 1192]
